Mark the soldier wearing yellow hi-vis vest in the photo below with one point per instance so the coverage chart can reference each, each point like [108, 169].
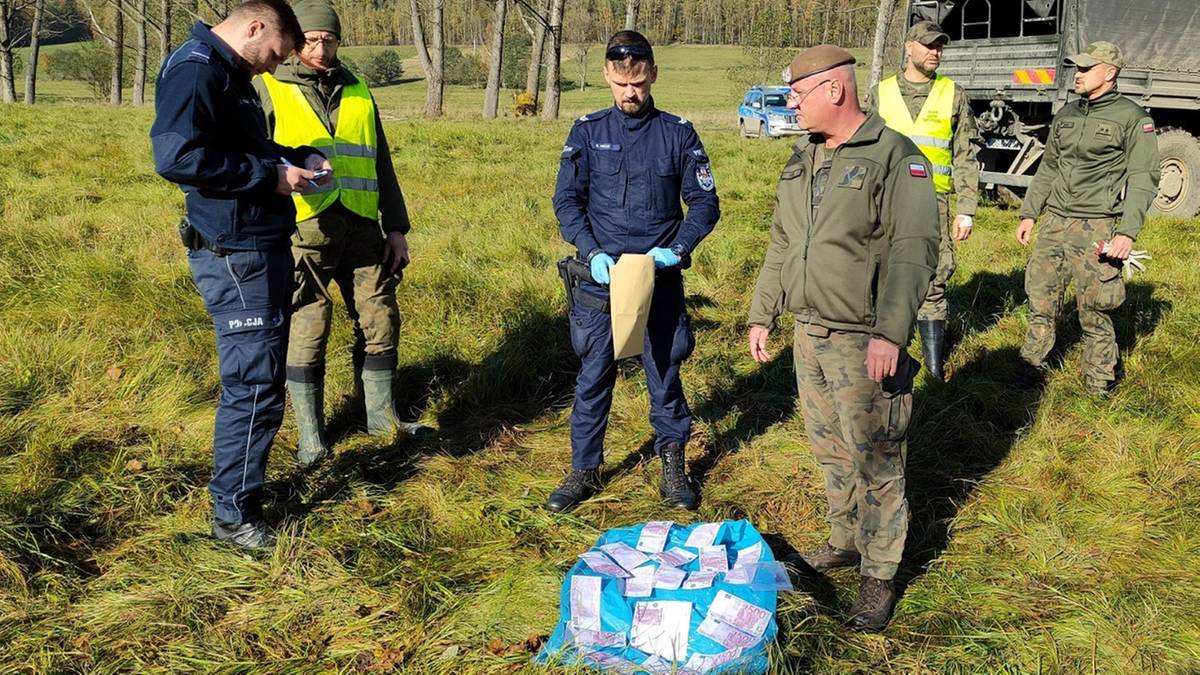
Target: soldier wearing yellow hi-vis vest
[350, 232]
[936, 114]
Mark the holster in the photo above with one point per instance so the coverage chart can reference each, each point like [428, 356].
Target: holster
[194, 241]
[572, 271]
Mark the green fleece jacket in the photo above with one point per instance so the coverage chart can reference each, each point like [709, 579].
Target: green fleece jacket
[1101, 161]
[863, 260]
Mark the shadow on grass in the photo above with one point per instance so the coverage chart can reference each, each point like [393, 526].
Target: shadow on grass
[964, 429]
[530, 371]
[978, 305]
[759, 400]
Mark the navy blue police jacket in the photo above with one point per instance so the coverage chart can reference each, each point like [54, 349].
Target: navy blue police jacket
[620, 180]
[210, 138]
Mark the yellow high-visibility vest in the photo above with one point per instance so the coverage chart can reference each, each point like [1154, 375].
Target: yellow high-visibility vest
[931, 131]
[350, 149]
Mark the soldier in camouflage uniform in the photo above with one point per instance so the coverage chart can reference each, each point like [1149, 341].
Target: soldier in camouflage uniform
[1100, 147]
[335, 240]
[935, 113]
[853, 247]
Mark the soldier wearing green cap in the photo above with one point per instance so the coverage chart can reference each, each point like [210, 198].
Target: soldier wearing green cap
[935, 113]
[351, 234]
[1095, 184]
[853, 246]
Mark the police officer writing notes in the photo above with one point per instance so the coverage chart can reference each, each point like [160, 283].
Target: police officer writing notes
[936, 114]
[209, 138]
[314, 99]
[1095, 183]
[853, 246]
[621, 176]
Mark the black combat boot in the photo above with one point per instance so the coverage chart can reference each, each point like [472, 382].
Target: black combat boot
[828, 557]
[933, 340]
[576, 487]
[253, 534]
[873, 609]
[675, 486]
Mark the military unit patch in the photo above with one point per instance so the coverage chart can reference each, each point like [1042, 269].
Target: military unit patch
[704, 177]
[853, 177]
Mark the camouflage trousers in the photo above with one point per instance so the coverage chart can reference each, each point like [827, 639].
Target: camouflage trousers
[858, 432]
[934, 308]
[1065, 250]
[340, 247]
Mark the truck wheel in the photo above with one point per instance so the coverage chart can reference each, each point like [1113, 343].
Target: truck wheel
[1179, 187]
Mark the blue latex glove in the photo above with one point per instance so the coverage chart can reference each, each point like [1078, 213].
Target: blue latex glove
[663, 257]
[601, 262]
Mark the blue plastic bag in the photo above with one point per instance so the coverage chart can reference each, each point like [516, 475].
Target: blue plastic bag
[617, 611]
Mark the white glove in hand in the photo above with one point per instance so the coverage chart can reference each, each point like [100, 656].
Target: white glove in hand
[1134, 263]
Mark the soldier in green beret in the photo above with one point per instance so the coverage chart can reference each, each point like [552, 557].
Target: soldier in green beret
[853, 247]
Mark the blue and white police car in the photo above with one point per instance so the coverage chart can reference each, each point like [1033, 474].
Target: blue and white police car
[764, 114]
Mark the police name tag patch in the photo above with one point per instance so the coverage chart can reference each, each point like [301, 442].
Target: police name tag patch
[613, 147]
[704, 177]
[917, 170]
[853, 177]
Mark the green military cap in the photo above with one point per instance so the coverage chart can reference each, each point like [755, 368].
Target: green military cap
[317, 15]
[927, 33]
[1097, 52]
[816, 60]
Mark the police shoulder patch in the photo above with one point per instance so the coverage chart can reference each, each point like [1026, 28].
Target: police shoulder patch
[704, 177]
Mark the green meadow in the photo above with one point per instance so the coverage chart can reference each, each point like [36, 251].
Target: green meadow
[1051, 532]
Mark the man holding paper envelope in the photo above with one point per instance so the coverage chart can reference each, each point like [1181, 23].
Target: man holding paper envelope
[621, 175]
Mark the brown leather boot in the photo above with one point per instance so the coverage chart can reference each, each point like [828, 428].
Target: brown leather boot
[830, 557]
[873, 609]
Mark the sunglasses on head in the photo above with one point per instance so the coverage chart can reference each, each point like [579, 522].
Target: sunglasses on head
[622, 52]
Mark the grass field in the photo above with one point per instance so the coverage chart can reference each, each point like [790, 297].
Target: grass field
[1050, 532]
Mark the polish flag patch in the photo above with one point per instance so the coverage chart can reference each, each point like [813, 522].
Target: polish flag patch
[917, 170]
[1148, 127]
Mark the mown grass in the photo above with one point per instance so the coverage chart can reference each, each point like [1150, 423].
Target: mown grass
[1051, 532]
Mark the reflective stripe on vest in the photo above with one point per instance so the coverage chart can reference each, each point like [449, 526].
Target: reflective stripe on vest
[931, 131]
[350, 149]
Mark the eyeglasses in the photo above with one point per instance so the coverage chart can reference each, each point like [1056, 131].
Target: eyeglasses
[622, 52]
[799, 98]
[327, 41]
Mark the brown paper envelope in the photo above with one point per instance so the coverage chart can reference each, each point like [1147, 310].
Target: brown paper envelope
[629, 297]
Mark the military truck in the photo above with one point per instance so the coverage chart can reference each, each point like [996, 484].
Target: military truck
[1008, 56]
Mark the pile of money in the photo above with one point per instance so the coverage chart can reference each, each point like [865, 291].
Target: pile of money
[689, 600]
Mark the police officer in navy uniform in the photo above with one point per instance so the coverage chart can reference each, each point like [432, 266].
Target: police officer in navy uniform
[621, 176]
[210, 138]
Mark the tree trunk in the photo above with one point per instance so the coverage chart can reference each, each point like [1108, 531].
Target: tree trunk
[8, 85]
[34, 45]
[139, 73]
[491, 99]
[553, 81]
[534, 75]
[882, 20]
[165, 45]
[118, 61]
[436, 85]
[631, 13]
[431, 60]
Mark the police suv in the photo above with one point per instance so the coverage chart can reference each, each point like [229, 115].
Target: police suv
[764, 113]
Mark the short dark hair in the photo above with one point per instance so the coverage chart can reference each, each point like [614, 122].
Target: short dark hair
[275, 13]
[627, 47]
